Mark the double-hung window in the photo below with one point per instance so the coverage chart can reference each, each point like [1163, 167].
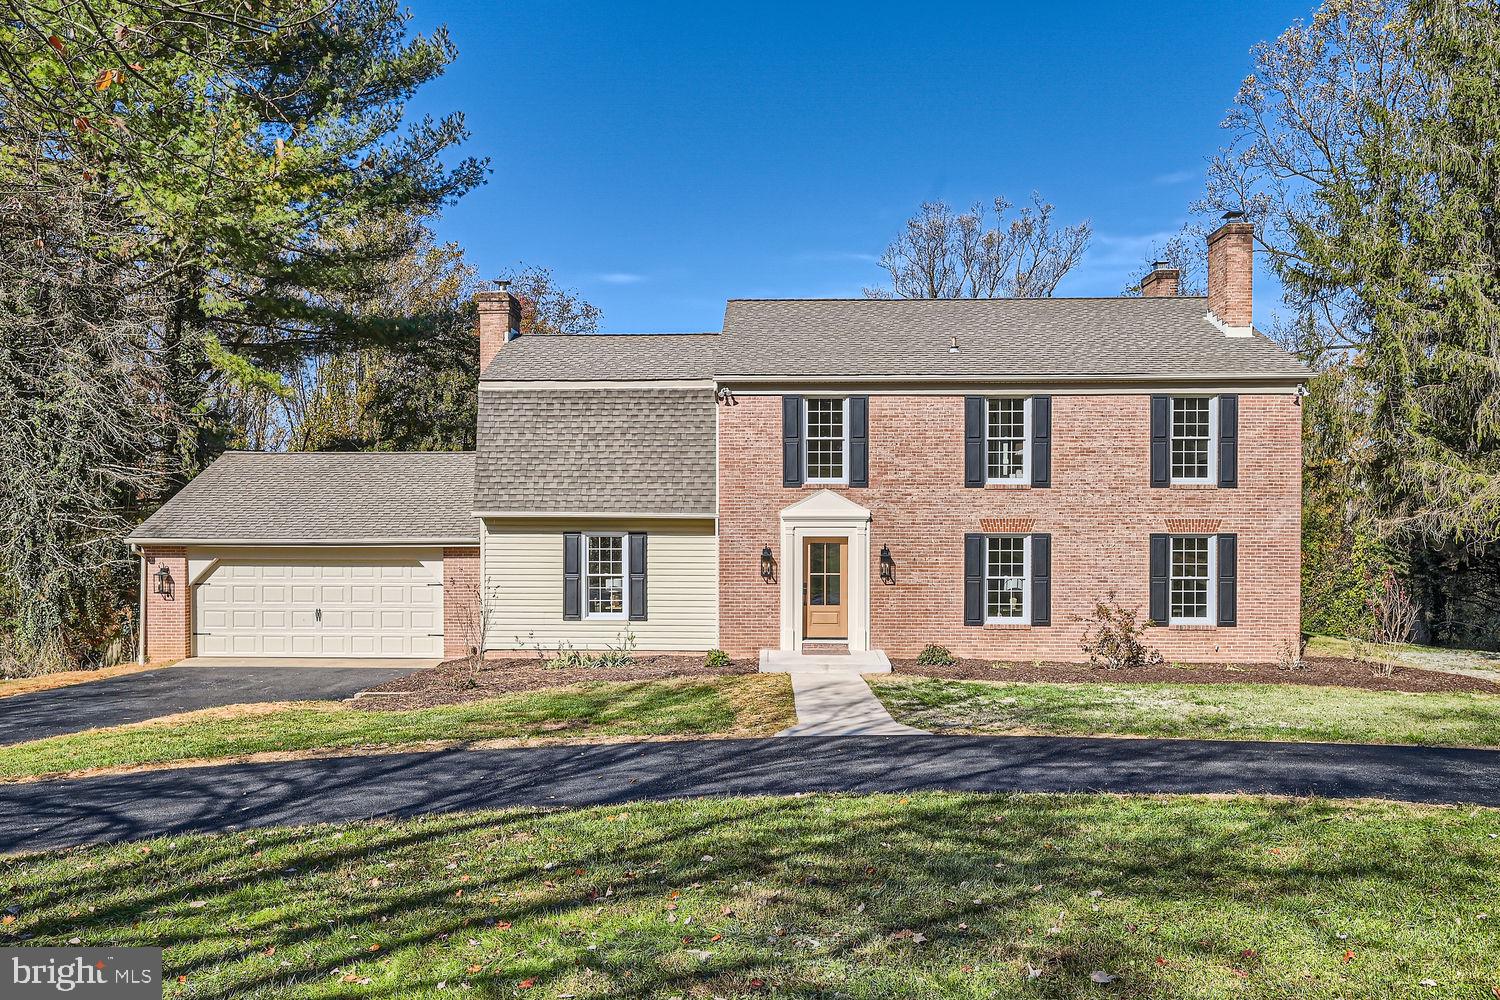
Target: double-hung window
[1192, 593]
[1006, 439]
[606, 570]
[1007, 577]
[1193, 425]
[827, 440]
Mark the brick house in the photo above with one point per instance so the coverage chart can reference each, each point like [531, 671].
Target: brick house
[881, 474]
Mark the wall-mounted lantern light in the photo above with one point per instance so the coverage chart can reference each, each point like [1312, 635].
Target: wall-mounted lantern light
[164, 582]
[887, 565]
[767, 565]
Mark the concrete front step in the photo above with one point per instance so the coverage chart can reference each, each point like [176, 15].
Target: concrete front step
[783, 661]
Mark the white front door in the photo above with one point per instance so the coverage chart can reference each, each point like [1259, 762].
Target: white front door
[384, 604]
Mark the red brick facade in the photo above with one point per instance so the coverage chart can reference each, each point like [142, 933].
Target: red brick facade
[169, 617]
[1100, 511]
[461, 605]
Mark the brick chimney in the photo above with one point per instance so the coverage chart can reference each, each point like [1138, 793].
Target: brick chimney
[497, 320]
[1230, 266]
[1162, 281]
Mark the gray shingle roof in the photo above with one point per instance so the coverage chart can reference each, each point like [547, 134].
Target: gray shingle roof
[603, 451]
[999, 337]
[323, 497]
[635, 356]
[1099, 337]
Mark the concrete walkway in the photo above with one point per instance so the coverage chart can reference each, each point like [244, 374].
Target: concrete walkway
[48, 814]
[831, 695]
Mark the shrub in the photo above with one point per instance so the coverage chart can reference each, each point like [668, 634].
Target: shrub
[716, 659]
[1113, 635]
[933, 655]
[565, 657]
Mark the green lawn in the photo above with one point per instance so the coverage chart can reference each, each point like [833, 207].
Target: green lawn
[1204, 711]
[737, 705]
[859, 897]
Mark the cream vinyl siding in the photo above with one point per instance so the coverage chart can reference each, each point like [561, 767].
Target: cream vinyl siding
[523, 576]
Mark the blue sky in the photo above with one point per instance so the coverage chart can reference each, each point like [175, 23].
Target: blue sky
[662, 157]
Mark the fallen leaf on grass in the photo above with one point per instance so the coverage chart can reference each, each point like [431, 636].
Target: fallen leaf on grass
[1102, 977]
[1349, 956]
[909, 935]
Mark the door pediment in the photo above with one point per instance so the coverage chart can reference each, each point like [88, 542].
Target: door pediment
[825, 505]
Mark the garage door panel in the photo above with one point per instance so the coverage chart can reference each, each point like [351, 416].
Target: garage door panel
[270, 608]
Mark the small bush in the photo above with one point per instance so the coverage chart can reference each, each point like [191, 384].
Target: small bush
[1289, 656]
[933, 655]
[565, 657]
[716, 659]
[1114, 635]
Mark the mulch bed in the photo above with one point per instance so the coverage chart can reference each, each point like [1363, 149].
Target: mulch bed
[455, 681]
[1319, 670]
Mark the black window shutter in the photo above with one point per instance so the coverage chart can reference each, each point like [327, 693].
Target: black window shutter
[1161, 441]
[1228, 570]
[637, 576]
[859, 440]
[1041, 579]
[791, 440]
[1229, 441]
[1041, 441]
[973, 579]
[572, 576]
[974, 441]
[1161, 578]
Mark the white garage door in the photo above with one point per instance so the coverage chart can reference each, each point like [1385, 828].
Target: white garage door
[388, 604]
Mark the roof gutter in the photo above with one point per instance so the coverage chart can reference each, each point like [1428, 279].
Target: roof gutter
[1288, 378]
[600, 514]
[392, 543]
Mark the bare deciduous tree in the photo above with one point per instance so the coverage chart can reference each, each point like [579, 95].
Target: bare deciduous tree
[1295, 129]
[547, 308]
[980, 254]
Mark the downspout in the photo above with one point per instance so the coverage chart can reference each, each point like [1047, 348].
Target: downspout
[140, 627]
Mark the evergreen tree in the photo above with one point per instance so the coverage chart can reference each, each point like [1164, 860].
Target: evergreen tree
[1412, 239]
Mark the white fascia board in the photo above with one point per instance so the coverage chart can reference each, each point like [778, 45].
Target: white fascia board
[1061, 382]
[506, 385]
[595, 514]
[294, 543]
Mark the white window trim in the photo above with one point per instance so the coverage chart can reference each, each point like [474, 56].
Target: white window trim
[1024, 476]
[1211, 606]
[1025, 616]
[1213, 442]
[807, 442]
[583, 581]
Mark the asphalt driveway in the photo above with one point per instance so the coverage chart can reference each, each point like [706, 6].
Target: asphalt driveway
[43, 815]
[115, 701]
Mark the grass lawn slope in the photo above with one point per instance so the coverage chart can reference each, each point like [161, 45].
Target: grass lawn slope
[1201, 711]
[819, 896]
[756, 705]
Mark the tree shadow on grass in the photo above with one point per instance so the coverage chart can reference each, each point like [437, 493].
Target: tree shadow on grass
[847, 873]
